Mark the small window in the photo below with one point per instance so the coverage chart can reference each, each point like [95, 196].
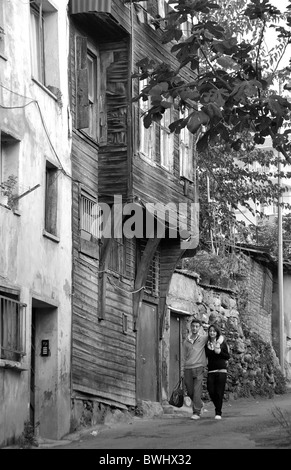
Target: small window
[167, 141]
[12, 327]
[147, 137]
[90, 217]
[51, 198]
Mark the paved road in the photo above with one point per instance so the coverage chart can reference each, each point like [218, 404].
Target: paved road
[246, 424]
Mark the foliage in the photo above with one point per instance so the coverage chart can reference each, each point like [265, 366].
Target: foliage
[216, 269]
[226, 184]
[266, 234]
[232, 102]
[281, 418]
[230, 93]
[28, 439]
[7, 188]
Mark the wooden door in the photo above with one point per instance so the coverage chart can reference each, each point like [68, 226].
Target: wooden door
[175, 350]
[147, 354]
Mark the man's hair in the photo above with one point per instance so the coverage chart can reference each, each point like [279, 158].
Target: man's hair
[196, 320]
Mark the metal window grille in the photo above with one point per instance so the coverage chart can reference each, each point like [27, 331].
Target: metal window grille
[152, 285]
[90, 216]
[12, 329]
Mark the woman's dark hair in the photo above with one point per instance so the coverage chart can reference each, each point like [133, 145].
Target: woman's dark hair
[216, 328]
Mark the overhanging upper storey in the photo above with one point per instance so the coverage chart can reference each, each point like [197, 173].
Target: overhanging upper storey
[90, 6]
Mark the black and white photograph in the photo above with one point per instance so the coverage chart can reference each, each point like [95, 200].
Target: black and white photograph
[145, 227]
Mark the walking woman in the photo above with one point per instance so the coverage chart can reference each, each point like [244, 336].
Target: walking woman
[217, 355]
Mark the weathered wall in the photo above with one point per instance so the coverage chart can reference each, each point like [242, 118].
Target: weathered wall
[37, 265]
[256, 298]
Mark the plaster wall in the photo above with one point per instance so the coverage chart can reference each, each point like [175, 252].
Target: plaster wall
[32, 261]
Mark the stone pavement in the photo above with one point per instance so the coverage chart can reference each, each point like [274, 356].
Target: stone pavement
[251, 423]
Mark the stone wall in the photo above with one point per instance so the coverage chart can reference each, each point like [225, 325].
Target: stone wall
[246, 323]
[255, 292]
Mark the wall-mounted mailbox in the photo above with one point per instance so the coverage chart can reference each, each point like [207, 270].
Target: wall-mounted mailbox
[45, 348]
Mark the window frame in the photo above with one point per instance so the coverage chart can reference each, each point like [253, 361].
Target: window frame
[51, 199]
[186, 144]
[18, 337]
[91, 200]
[37, 49]
[93, 130]
[167, 141]
[44, 53]
[147, 137]
[9, 161]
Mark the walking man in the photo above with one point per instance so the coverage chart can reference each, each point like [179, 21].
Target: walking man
[193, 364]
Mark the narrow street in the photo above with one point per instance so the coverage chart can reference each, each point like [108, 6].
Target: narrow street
[247, 424]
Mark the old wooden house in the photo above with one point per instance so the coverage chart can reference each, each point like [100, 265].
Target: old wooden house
[120, 282]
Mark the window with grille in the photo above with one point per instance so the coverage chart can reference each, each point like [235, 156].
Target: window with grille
[152, 285]
[90, 215]
[12, 328]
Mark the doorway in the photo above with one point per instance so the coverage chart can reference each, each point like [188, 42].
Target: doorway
[43, 369]
[175, 349]
[147, 354]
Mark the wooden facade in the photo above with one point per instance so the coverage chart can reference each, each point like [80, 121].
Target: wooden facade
[111, 275]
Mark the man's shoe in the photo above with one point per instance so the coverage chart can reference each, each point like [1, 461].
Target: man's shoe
[217, 417]
[195, 416]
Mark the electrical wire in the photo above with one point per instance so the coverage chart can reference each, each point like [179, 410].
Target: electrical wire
[124, 290]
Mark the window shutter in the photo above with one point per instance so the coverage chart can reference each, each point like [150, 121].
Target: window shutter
[82, 112]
